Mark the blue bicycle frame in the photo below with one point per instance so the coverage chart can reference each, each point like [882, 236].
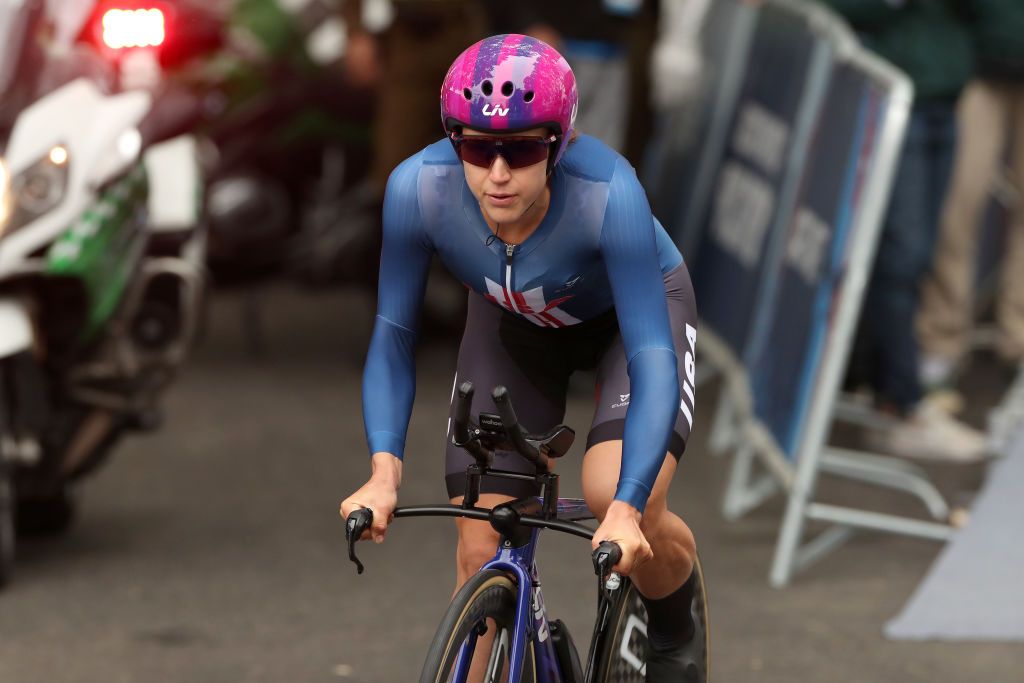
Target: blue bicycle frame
[519, 522]
[531, 621]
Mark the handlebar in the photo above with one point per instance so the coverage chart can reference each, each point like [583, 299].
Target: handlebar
[460, 422]
[515, 432]
[604, 558]
[479, 440]
[466, 434]
[461, 435]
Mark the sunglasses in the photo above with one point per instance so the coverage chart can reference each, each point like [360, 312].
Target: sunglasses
[517, 151]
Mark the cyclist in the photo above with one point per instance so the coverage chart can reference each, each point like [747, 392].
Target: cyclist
[567, 269]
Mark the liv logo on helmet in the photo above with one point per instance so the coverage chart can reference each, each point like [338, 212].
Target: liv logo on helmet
[495, 111]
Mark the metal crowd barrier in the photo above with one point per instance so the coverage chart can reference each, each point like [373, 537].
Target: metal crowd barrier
[786, 194]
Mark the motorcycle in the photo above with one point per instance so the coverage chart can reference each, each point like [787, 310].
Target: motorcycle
[101, 270]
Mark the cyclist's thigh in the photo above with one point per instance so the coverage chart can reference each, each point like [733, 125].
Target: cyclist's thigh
[601, 477]
[613, 376]
[494, 353]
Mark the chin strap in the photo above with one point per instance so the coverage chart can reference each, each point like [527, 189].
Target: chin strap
[497, 226]
[494, 235]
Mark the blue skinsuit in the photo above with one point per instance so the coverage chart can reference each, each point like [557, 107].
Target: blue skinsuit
[597, 247]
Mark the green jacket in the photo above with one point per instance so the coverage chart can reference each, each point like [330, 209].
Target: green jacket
[999, 38]
[928, 39]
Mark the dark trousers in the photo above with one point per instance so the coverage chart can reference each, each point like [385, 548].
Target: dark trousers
[418, 48]
[905, 252]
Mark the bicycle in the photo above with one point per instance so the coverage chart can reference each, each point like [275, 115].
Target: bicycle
[507, 590]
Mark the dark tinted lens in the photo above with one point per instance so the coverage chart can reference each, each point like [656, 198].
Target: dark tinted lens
[517, 153]
[522, 153]
[479, 152]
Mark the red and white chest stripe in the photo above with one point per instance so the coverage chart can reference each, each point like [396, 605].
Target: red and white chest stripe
[529, 304]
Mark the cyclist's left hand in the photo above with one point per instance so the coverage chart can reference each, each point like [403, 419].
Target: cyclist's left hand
[622, 525]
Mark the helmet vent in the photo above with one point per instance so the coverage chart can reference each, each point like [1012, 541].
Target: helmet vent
[487, 88]
[507, 88]
[467, 94]
[528, 97]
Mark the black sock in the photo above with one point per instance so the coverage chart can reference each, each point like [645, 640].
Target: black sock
[669, 619]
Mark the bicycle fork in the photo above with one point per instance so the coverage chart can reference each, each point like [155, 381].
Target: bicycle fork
[530, 625]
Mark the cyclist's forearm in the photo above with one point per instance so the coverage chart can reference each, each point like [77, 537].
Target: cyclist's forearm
[629, 248]
[389, 387]
[389, 378]
[649, 422]
[387, 469]
[619, 508]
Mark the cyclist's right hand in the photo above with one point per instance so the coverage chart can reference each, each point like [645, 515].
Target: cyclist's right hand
[379, 494]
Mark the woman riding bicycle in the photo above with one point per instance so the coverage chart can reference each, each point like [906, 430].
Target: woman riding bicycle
[567, 269]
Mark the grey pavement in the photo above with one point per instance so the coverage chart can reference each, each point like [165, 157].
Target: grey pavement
[211, 551]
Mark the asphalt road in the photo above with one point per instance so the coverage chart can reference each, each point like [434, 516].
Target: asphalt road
[211, 551]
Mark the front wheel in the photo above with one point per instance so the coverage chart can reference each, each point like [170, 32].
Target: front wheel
[623, 649]
[486, 604]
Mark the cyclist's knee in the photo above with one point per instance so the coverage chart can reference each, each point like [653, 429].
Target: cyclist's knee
[665, 531]
[477, 544]
[477, 540]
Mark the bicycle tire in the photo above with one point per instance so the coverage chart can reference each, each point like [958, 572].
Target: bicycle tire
[488, 594]
[620, 662]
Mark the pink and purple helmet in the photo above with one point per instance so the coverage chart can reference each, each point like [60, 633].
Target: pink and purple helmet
[510, 83]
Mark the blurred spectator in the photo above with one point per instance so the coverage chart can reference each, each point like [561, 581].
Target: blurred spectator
[992, 106]
[404, 48]
[930, 42]
[676, 59]
[608, 44]
[680, 88]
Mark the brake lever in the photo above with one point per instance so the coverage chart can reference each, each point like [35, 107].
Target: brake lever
[605, 557]
[358, 522]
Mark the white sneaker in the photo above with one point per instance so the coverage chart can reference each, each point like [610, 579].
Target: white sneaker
[931, 434]
[935, 371]
[949, 401]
